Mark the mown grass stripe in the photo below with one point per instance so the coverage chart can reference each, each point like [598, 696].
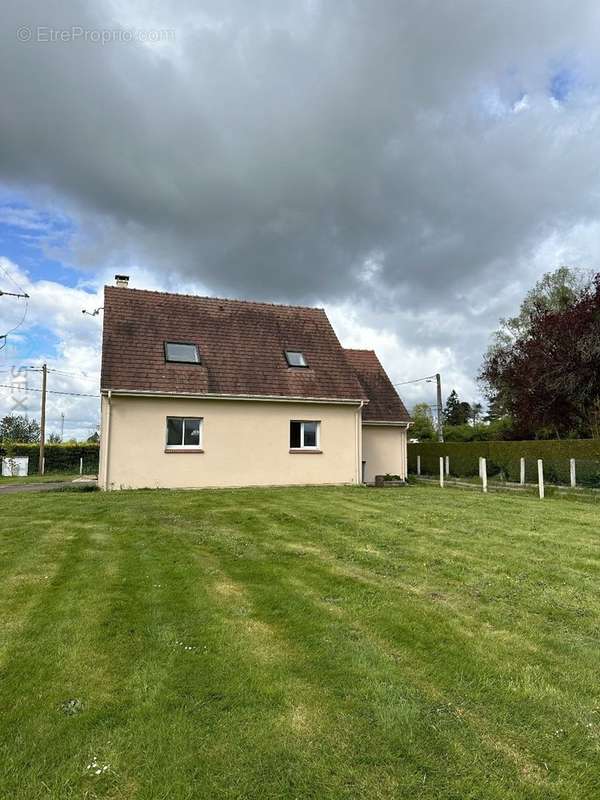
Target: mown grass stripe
[345, 643]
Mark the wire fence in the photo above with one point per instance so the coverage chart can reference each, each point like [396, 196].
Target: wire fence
[505, 461]
[557, 472]
[580, 472]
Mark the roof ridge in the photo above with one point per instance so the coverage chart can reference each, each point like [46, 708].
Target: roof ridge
[216, 299]
[359, 350]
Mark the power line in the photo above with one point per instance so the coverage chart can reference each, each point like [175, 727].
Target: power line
[12, 280]
[429, 379]
[415, 380]
[70, 421]
[79, 375]
[22, 294]
[5, 336]
[50, 391]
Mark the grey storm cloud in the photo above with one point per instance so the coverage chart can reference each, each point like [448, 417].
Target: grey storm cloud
[391, 154]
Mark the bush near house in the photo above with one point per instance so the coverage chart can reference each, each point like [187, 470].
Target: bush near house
[59, 457]
[503, 459]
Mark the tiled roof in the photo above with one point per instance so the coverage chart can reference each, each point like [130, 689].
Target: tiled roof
[384, 403]
[241, 346]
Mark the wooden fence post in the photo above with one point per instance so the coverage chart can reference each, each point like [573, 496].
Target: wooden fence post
[483, 467]
[442, 472]
[447, 465]
[522, 476]
[418, 465]
[541, 478]
[480, 472]
[573, 473]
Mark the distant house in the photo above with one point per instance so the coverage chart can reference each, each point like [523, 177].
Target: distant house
[200, 392]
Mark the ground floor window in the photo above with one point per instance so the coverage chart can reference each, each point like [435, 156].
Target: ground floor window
[184, 432]
[305, 435]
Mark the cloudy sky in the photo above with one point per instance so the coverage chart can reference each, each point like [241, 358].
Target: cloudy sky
[412, 166]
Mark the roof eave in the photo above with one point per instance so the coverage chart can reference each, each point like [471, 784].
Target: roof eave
[389, 422]
[224, 396]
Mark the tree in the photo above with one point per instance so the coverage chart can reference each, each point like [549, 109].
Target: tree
[455, 411]
[547, 374]
[54, 438]
[496, 411]
[94, 438]
[17, 428]
[476, 412]
[555, 292]
[422, 427]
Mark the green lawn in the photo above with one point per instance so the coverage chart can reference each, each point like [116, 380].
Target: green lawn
[49, 477]
[299, 643]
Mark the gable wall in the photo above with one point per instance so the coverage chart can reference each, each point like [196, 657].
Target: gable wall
[384, 449]
[246, 443]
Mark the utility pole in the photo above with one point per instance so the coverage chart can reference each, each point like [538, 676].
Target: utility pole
[43, 419]
[62, 426]
[440, 422]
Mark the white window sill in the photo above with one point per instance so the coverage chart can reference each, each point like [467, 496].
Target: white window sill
[305, 450]
[183, 450]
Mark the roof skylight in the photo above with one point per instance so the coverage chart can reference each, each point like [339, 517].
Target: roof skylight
[182, 353]
[295, 358]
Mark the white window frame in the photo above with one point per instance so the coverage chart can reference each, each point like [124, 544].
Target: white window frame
[197, 360]
[302, 423]
[303, 365]
[184, 446]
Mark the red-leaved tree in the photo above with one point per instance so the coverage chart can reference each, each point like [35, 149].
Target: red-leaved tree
[546, 375]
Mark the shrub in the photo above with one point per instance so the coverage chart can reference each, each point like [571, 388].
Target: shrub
[59, 457]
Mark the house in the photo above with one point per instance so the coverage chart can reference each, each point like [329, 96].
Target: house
[198, 391]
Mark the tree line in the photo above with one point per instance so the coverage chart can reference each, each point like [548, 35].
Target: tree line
[462, 422]
[19, 428]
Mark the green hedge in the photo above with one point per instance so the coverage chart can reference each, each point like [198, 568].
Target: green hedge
[503, 459]
[58, 457]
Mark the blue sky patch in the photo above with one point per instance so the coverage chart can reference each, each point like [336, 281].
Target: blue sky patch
[34, 240]
[562, 83]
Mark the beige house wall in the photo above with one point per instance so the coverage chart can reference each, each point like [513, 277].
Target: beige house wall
[245, 443]
[384, 450]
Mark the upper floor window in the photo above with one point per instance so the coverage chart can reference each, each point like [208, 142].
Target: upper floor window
[182, 353]
[295, 358]
[184, 432]
[305, 435]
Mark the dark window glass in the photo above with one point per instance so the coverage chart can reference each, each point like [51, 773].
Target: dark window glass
[174, 431]
[183, 432]
[295, 358]
[191, 432]
[186, 353]
[294, 434]
[310, 434]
